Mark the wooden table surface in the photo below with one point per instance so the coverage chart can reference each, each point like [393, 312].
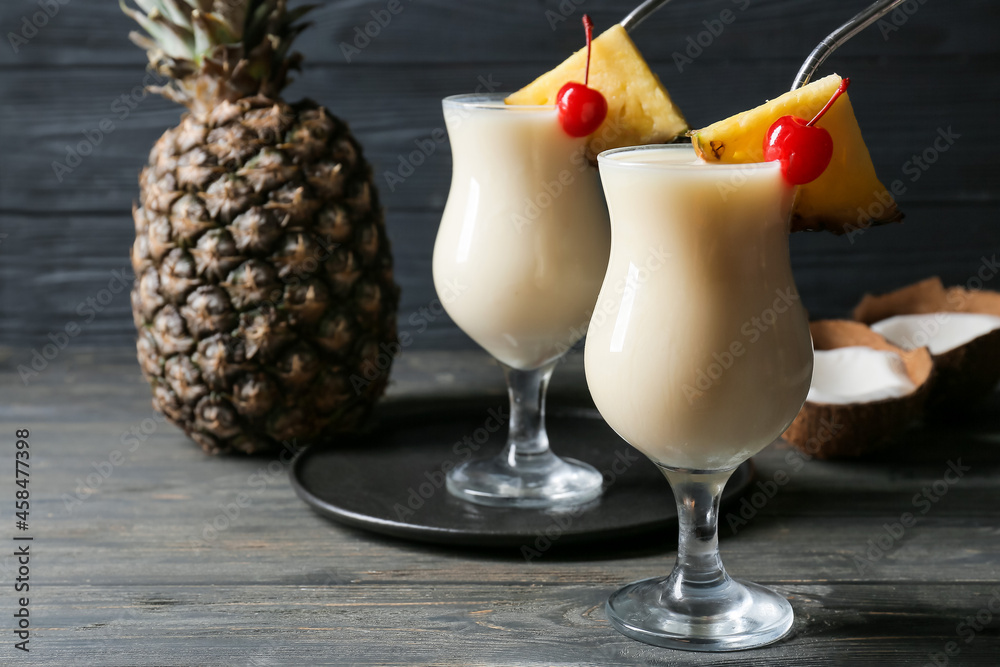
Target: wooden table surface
[124, 572]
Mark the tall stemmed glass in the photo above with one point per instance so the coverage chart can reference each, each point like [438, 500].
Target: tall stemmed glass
[699, 361]
[518, 262]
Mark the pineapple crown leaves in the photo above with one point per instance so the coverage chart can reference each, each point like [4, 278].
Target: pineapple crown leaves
[216, 50]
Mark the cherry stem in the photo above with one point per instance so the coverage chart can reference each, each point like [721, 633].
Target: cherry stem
[840, 91]
[588, 26]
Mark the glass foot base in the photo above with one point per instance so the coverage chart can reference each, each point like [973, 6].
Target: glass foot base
[533, 482]
[736, 615]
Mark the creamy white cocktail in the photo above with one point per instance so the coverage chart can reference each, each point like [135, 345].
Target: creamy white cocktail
[702, 357]
[524, 239]
[518, 263]
[699, 359]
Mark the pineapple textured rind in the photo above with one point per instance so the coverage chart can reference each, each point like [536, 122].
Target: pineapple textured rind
[234, 316]
[264, 298]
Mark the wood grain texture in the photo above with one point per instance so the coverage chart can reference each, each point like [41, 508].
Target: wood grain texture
[91, 32]
[129, 575]
[63, 238]
[390, 108]
[50, 266]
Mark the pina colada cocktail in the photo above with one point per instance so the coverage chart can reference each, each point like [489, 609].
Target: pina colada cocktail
[699, 362]
[520, 254]
[524, 239]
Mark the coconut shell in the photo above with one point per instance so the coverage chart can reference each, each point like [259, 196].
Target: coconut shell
[828, 430]
[964, 374]
[927, 296]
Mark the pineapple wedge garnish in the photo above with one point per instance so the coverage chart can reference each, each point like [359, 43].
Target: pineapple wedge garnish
[639, 109]
[848, 196]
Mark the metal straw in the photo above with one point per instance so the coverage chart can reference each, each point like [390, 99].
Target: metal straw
[641, 13]
[830, 43]
[835, 39]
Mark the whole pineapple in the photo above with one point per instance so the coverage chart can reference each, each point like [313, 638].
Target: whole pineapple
[264, 296]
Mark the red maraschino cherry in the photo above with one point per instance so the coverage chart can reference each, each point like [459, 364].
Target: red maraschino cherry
[581, 109]
[803, 149]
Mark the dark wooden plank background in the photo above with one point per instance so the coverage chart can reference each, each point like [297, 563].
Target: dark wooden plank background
[62, 239]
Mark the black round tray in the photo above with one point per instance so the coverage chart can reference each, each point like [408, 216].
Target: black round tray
[391, 480]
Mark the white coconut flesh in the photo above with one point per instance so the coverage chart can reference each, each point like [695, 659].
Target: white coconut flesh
[939, 332]
[858, 374]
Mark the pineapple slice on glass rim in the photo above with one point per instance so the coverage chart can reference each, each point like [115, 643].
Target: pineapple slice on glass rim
[848, 196]
[640, 110]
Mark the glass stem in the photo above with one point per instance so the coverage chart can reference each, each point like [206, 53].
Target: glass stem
[698, 573]
[527, 439]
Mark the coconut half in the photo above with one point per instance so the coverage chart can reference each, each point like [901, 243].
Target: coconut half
[960, 327]
[858, 374]
[865, 391]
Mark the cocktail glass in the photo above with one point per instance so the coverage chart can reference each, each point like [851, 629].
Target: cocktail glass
[518, 262]
[699, 355]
